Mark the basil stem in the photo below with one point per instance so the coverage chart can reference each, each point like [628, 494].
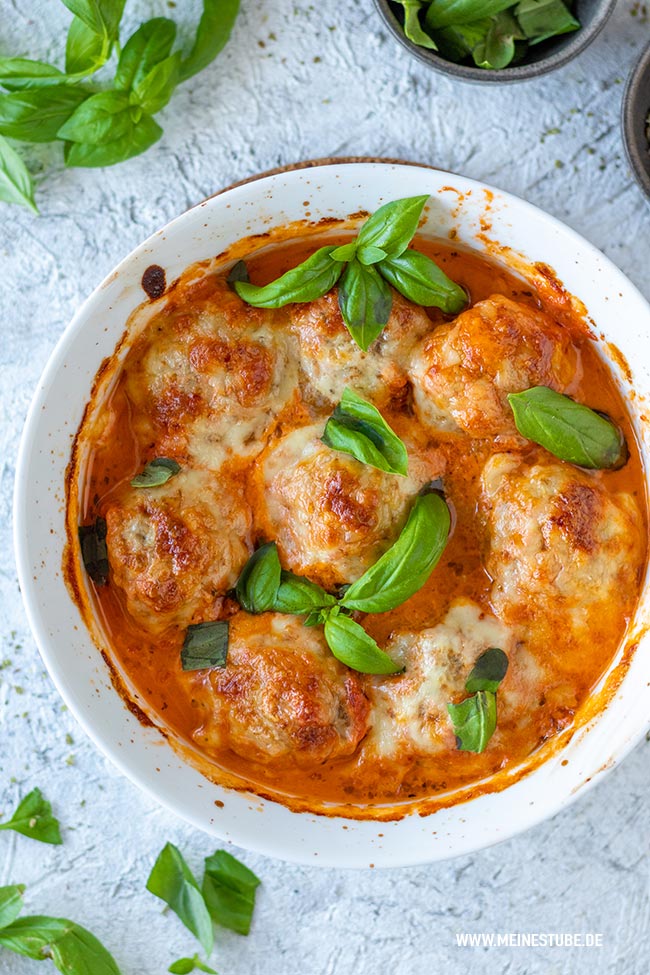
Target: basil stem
[420, 280]
[259, 581]
[158, 471]
[357, 427]
[569, 430]
[408, 563]
[229, 890]
[92, 540]
[365, 302]
[173, 882]
[205, 645]
[355, 648]
[310, 280]
[33, 818]
[475, 719]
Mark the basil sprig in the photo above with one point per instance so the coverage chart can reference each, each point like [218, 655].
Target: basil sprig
[205, 645]
[355, 648]
[71, 948]
[475, 719]
[34, 818]
[357, 427]
[364, 267]
[567, 429]
[157, 472]
[186, 965]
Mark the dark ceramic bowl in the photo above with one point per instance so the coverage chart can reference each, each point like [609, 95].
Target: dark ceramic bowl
[542, 58]
[636, 108]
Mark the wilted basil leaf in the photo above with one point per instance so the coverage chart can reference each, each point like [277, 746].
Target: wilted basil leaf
[238, 272]
[34, 818]
[567, 429]
[474, 721]
[11, 903]
[138, 138]
[15, 180]
[73, 949]
[488, 671]
[172, 880]
[158, 471]
[18, 73]
[459, 41]
[365, 302]
[420, 280]
[212, 34]
[205, 645]
[92, 539]
[310, 280]
[408, 563]
[85, 51]
[148, 46]
[393, 226]
[443, 13]
[259, 580]
[299, 596]
[186, 965]
[36, 115]
[497, 50]
[229, 891]
[357, 427]
[413, 27]
[541, 19]
[355, 648]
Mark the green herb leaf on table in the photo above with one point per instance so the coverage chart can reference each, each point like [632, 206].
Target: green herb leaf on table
[229, 889]
[541, 19]
[36, 115]
[19, 73]
[157, 472]
[475, 719]
[357, 427]
[569, 430]
[11, 903]
[405, 567]
[420, 280]
[85, 51]
[355, 648]
[205, 645]
[102, 118]
[156, 88]
[259, 581]
[173, 882]
[150, 44]
[186, 965]
[213, 32]
[15, 180]
[34, 818]
[73, 949]
[137, 139]
[101, 16]
[308, 281]
[413, 27]
[393, 226]
[365, 302]
[92, 541]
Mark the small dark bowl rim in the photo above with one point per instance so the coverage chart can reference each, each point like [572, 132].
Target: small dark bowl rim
[639, 74]
[521, 72]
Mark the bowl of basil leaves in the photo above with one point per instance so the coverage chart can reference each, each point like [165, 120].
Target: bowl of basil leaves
[636, 121]
[495, 40]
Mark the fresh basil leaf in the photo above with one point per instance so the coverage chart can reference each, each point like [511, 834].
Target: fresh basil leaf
[458, 42]
[370, 254]
[345, 252]
[567, 429]
[36, 115]
[212, 35]
[258, 583]
[444, 13]
[357, 427]
[497, 50]
[140, 137]
[73, 949]
[488, 671]
[298, 596]
[310, 280]
[85, 51]
[229, 891]
[393, 226]
[205, 645]
[34, 818]
[19, 73]
[420, 280]
[11, 903]
[413, 27]
[158, 471]
[173, 882]
[102, 118]
[150, 44]
[238, 272]
[157, 87]
[101, 16]
[15, 180]
[185, 965]
[405, 567]
[365, 301]
[92, 540]
[355, 648]
[541, 19]
[474, 721]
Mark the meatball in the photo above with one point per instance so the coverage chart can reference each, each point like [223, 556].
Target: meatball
[209, 380]
[331, 359]
[564, 553]
[174, 549]
[331, 515]
[410, 711]
[282, 697]
[462, 371]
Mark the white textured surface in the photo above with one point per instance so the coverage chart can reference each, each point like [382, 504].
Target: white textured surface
[300, 81]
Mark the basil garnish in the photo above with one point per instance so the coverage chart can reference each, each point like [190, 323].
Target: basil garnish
[357, 427]
[34, 818]
[475, 718]
[259, 581]
[355, 648]
[393, 226]
[298, 596]
[205, 645]
[158, 471]
[173, 882]
[408, 563]
[306, 282]
[186, 965]
[567, 429]
[365, 302]
[229, 890]
[238, 272]
[92, 539]
[420, 280]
